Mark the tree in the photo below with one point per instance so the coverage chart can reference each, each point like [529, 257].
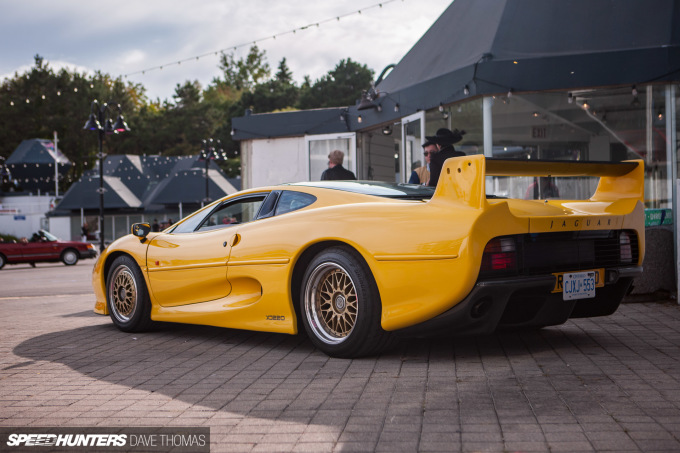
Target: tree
[340, 87]
[244, 74]
[188, 95]
[284, 75]
[279, 93]
[39, 102]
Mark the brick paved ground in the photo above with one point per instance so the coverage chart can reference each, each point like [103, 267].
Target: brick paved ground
[609, 384]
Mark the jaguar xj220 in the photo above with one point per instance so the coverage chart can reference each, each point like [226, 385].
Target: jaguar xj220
[355, 264]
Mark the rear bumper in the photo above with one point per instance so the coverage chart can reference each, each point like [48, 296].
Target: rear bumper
[88, 254]
[524, 302]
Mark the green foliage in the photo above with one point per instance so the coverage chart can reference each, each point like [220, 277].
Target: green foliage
[340, 87]
[8, 238]
[276, 94]
[40, 101]
[244, 74]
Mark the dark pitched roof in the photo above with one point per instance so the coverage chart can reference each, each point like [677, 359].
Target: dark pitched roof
[32, 165]
[287, 124]
[84, 194]
[146, 182]
[36, 151]
[494, 46]
[186, 184]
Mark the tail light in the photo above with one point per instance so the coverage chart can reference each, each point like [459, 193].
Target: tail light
[626, 250]
[500, 254]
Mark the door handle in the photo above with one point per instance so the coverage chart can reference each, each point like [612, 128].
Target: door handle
[235, 239]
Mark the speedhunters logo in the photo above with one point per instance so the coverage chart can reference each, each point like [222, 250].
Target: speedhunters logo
[67, 440]
[187, 440]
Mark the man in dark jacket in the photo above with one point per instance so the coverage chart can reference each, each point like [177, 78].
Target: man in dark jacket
[444, 139]
[335, 169]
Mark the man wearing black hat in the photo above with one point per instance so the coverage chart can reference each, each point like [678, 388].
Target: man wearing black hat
[444, 139]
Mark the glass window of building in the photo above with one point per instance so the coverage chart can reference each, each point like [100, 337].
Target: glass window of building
[320, 147]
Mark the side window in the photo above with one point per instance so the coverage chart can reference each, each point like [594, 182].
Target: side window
[267, 209]
[238, 211]
[292, 201]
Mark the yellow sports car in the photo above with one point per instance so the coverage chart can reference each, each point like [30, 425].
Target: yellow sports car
[356, 264]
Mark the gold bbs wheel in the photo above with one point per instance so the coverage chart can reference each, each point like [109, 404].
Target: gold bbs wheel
[123, 293]
[331, 303]
[127, 297]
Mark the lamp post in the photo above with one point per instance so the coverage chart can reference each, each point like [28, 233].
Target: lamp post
[56, 167]
[99, 113]
[5, 175]
[208, 153]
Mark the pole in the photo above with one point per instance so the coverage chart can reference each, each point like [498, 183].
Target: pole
[101, 187]
[487, 125]
[207, 179]
[56, 167]
[672, 157]
[95, 123]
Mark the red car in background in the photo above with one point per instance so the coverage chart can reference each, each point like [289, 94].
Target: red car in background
[44, 247]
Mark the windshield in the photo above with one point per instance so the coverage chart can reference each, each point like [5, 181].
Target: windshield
[49, 236]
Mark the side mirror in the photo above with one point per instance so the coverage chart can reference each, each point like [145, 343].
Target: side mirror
[141, 230]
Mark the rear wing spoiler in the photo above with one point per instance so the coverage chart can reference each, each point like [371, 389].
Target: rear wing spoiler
[463, 179]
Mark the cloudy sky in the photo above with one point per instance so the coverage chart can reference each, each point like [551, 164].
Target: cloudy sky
[137, 37]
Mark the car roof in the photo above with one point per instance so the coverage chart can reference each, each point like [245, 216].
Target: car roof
[377, 188]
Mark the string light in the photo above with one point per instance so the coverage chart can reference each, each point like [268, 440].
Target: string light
[255, 41]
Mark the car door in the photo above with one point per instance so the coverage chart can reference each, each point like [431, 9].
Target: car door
[189, 264]
[41, 248]
[13, 251]
[260, 259]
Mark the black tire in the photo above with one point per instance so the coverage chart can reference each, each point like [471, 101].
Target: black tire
[340, 305]
[127, 297]
[3, 260]
[69, 257]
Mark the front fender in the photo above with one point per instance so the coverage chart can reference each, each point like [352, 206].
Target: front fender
[127, 245]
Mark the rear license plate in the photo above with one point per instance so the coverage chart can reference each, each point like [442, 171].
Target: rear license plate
[578, 285]
[559, 277]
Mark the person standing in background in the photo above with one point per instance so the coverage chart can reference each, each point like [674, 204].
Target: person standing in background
[444, 139]
[421, 175]
[335, 169]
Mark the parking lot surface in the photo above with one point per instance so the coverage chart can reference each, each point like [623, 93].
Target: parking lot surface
[604, 384]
